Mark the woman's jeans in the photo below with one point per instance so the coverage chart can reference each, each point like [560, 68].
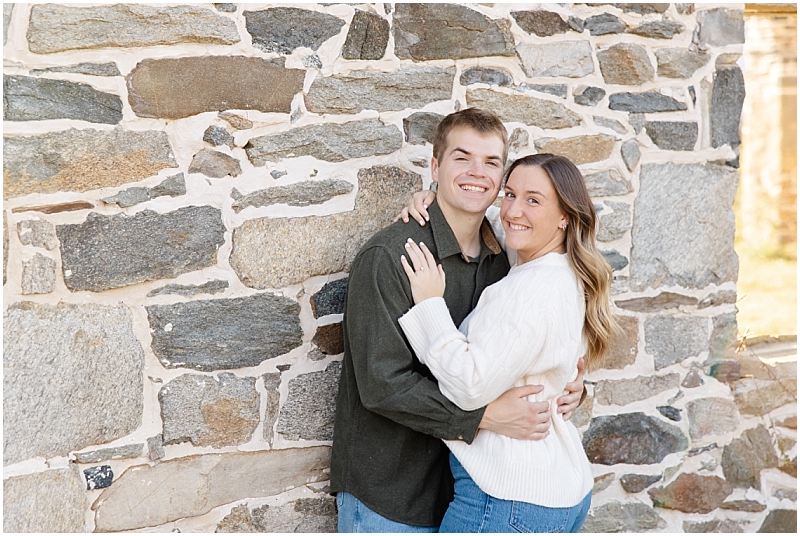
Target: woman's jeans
[474, 511]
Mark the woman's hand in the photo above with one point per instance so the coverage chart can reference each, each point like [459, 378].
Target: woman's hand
[417, 207]
[426, 277]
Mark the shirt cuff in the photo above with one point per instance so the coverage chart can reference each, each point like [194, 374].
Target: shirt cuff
[424, 323]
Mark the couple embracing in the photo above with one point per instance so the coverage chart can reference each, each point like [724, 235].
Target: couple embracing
[463, 361]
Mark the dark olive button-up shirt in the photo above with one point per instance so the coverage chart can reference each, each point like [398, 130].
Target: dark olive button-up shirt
[390, 415]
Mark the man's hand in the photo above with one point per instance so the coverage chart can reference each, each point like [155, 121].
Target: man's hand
[513, 416]
[568, 403]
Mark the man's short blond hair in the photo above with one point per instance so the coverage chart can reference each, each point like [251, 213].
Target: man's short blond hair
[478, 119]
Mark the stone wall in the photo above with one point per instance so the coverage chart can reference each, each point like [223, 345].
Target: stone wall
[185, 186]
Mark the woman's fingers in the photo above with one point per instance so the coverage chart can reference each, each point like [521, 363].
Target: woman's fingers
[430, 261]
[415, 255]
[408, 269]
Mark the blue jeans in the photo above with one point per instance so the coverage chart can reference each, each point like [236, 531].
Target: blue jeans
[474, 511]
[354, 516]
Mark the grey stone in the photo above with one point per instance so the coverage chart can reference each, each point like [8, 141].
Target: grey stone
[630, 154]
[744, 506]
[329, 142]
[691, 493]
[785, 493]
[659, 29]
[679, 62]
[759, 397]
[615, 259]
[559, 90]
[38, 275]
[605, 183]
[236, 121]
[212, 287]
[699, 450]
[215, 164]
[330, 299]
[367, 38]
[718, 298]
[5, 245]
[225, 8]
[56, 28]
[664, 301]
[672, 339]
[725, 371]
[98, 477]
[486, 75]
[725, 526]
[272, 381]
[108, 252]
[277, 174]
[603, 24]
[174, 88]
[209, 335]
[32, 99]
[579, 149]
[50, 501]
[673, 135]
[727, 100]
[780, 521]
[113, 453]
[636, 120]
[627, 391]
[301, 194]
[683, 246]
[541, 23]
[720, 26]
[518, 140]
[172, 186]
[692, 380]
[671, 413]
[155, 448]
[602, 482]
[94, 69]
[425, 32]
[711, 416]
[146, 496]
[583, 414]
[80, 385]
[312, 61]
[613, 124]
[7, 9]
[576, 24]
[37, 233]
[560, 58]
[643, 9]
[308, 412]
[302, 247]
[623, 347]
[80, 160]
[622, 517]
[420, 127]
[411, 86]
[209, 411]
[635, 483]
[723, 334]
[685, 9]
[217, 136]
[283, 29]
[647, 102]
[303, 515]
[590, 96]
[726, 61]
[614, 226]
[625, 64]
[631, 438]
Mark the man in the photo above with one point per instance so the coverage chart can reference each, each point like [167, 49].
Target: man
[389, 467]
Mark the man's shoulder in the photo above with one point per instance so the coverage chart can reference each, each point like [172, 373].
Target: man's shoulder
[392, 238]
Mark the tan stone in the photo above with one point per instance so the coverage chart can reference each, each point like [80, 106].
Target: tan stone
[624, 347]
[579, 149]
[624, 392]
[52, 501]
[625, 64]
[759, 397]
[524, 109]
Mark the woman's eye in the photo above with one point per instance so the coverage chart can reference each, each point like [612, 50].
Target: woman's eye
[509, 195]
[533, 201]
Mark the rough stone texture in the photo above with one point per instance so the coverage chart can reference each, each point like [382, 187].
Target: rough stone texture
[579, 149]
[5, 245]
[210, 335]
[718, 298]
[94, 69]
[283, 29]
[625, 64]
[615, 259]
[98, 477]
[301, 247]
[671, 339]
[605, 183]
[541, 23]
[673, 135]
[613, 226]
[7, 9]
[425, 32]
[108, 252]
[646, 9]
[744, 506]
[727, 100]
[329, 339]
[662, 302]
[217, 136]
[780, 521]
[308, 412]
[146, 496]
[648, 102]
[604, 24]
[561, 58]
[80, 385]
[635, 483]
[624, 347]
[711, 416]
[679, 62]
[590, 96]
[420, 127]
[524, 109]
[613, 124]
[486, 75]
[684, 246]
[38, 275]
[583, 414]
[307, 515]
[721, 526]
[671, 413]
[172, 186]
[330, 299]
[744, 458]
[55, 28]
[602, 482]
[301, 194]
[113, 453]
[212, 287]
[367, 37]
[759, 397]
[559, 90]
[330, 142]
[630, 154]
[659, 29]
[411, 86]
[518, 140]
[724, 333]
[692, 380]
[209, 411]
[55, 209]
[720, 26]
[692, 493]
[236, 121]
[35, 99]
[37, 233]
[627, 391]
[51, 501]
[272, 381]
[173, 88]
[80, 160]
[632, 438]
[622, 517]
[155, 448]
[215, 164]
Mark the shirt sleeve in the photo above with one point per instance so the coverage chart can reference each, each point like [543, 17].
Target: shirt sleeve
[391, 381]
[493, 217]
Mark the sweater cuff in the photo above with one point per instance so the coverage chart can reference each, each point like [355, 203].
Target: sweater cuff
[424, 323]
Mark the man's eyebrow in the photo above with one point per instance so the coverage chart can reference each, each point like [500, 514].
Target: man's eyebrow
[460, 150]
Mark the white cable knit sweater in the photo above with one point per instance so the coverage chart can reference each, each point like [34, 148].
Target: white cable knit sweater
[526, 329]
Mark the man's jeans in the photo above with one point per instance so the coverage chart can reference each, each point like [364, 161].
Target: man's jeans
[355, 517]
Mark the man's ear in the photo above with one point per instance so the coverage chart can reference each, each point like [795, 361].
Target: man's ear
[434, 169]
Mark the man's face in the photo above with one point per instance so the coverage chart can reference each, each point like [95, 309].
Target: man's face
[469, 172]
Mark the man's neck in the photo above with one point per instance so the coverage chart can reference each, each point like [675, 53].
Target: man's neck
[466, 228]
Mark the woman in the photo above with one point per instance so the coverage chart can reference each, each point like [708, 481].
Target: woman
[529, 328]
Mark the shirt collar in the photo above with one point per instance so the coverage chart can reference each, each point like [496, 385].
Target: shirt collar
[445, 239]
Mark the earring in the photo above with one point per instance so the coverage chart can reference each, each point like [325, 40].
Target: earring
[563, 226]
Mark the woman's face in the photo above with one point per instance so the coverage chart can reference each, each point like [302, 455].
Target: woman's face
[531, 214]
